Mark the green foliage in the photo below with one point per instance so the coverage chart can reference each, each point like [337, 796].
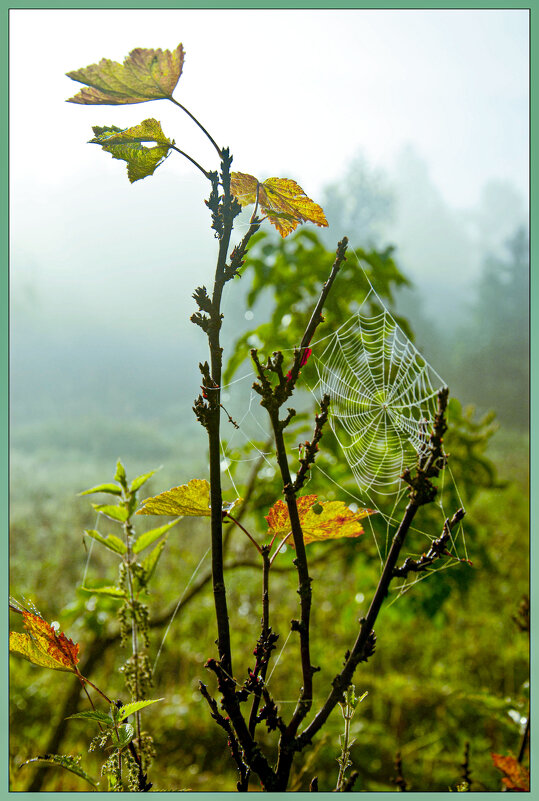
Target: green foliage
[67, 762]
[289, 274]
[418, 696]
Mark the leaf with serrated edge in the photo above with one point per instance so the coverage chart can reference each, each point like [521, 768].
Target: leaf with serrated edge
[126, 732]
[43, 645]
[93, 714]
[110, 541]
[145, 75]
[129, 709]
[147, 131]
[112, 489]
[150, 562]
[281, 199]
[141, 161]
[150, 536]
[516, 777]
[118, 513]
[334, 520]
[188, 500]
[137, 482]
[120, 469]
[60, 761]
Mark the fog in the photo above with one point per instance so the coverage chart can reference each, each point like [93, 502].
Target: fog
[432, 106]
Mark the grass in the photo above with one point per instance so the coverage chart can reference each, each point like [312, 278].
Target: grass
[450, 663]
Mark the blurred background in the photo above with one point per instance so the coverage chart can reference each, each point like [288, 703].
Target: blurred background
[410, 128]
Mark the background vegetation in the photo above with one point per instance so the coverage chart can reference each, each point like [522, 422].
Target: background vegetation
[451, 665]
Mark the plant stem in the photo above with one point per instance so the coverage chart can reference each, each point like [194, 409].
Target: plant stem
[237, 522]
[342, 681]
[192, 160]
[128, 531]
[214, 423]
[212, 140]
[266, 564]
[304, 588]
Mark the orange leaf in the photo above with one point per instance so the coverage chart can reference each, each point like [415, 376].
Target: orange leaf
[144, 75]
[282, 200]
[326, 520]
[43, 646]
[516, 778]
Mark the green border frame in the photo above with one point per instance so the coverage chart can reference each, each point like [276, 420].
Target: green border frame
[533, 7]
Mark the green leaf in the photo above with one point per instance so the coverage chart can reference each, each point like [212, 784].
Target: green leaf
[114, 543]
[145, 75]
[126, 732]
[130, 709]
[118, 513]
[93, 714]
[150, 563]
[147, 131]
[113, 489]
[68, 763]
[137, 483]
[150, 536]
[112, 592]
[120, 472]
[141, 161]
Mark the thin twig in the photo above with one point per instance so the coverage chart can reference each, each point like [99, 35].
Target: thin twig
[212, 140]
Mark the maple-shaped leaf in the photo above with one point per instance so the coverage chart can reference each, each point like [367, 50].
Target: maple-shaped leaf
[189, 500]
[282, 200]
[516, 776]
[145, 75]
[327, 520]
[43, 645]
[126, 144]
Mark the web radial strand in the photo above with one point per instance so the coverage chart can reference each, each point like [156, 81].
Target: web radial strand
[383, 398]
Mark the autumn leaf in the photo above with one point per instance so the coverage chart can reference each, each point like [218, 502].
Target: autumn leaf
[126, 144]
[516, 777]
[189, 500]
[43, 646]
[145, 75]
[327, 520]
[282, 200]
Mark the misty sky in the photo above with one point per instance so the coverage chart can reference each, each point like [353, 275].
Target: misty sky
[306, 89]
[295, 93]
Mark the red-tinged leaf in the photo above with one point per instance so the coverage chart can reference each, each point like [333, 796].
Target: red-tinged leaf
[327, 520]
[282, 200]
[516, 776]
[145, 75]
[43, 645]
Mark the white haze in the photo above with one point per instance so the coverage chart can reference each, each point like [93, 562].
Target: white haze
[295, 93]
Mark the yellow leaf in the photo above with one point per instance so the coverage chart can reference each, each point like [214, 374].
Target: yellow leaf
[144, 75]
[282, 200]
[126, 144]
[189, 500]
[327, 520]
[43, 645]
[147, 131]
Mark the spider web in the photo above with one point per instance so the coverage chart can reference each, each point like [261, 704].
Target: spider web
[383, 397]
